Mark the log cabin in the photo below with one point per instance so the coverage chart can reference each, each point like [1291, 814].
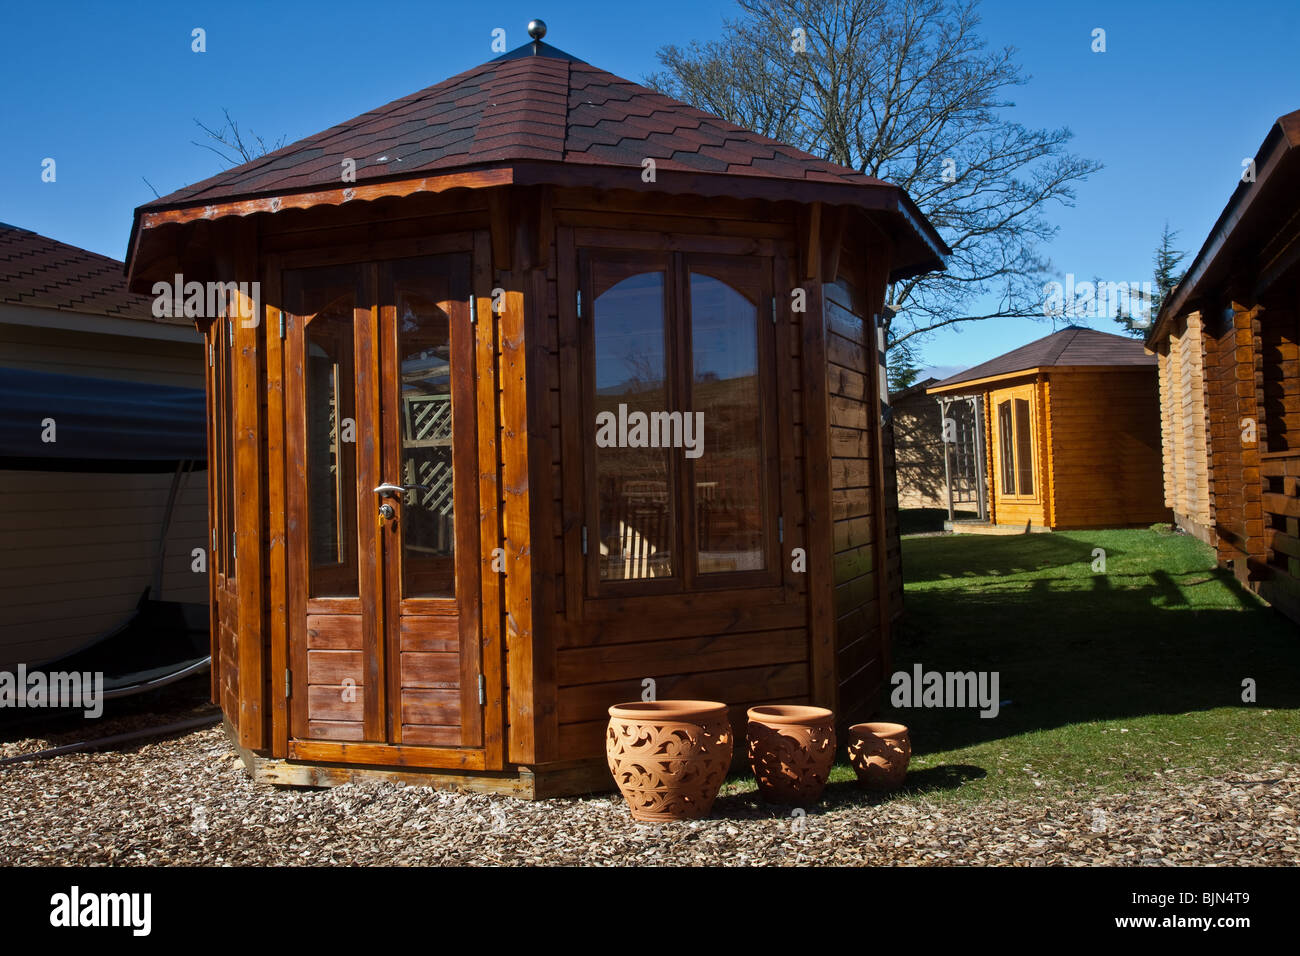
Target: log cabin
[1066, 434]
[431, 563]
[1228, 342]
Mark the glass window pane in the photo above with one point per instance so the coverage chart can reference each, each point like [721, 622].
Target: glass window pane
[728, 473]
[226, 467]
[424, 360]
[1024, 448]
[325, 300]
[633, 482]
[1006, 446]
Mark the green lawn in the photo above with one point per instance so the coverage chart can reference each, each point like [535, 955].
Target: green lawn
[1111, 677]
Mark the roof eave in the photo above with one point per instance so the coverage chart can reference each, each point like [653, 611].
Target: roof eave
[1282, 137]
[881, 198]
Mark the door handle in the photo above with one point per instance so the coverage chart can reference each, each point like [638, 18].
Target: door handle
[387, 490]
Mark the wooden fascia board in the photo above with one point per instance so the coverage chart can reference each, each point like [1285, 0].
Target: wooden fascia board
[1007, 377]
[481, 179]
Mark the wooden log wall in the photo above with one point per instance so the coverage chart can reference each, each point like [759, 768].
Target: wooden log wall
[1105, 456]
[1183, 422]
[1234, 460]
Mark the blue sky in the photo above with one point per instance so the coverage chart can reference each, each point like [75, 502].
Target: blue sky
[1183, 93]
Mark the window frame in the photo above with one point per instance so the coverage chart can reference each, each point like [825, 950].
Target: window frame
[679, 373]
[1009, 397]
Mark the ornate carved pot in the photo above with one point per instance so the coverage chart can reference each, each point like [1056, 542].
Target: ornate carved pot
[791, 749]
[880, 753]
[669, 757]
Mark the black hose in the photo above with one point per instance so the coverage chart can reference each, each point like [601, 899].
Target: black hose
[190, 724]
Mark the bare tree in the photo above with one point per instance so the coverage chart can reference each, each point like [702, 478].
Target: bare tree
[231, 144]
[905, 90]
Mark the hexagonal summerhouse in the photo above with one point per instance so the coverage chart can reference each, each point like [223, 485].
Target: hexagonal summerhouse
[553, 391]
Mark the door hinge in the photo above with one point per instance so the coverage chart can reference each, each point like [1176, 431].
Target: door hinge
[579, 303]
[473, 310]
[584, 539]
[774, 310]
[288, 682]
[282, 324]
[212, 355]
[233, 543]
[482, 689]
[230, 332]
[214, 540]
[780, 529]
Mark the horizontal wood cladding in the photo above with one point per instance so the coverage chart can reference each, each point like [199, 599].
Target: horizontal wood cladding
[336, 682]
[1106, 451]
[859, 556]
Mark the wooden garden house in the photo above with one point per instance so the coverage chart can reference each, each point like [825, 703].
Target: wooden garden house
[1061, 433]
[559, 393]
[1228, 343]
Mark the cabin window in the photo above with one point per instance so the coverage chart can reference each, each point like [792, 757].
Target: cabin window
[1016, 447]
[728, 487]
[634, 498]
[679, 491]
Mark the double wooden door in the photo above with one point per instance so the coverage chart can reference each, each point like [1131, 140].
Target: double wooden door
[382, 503]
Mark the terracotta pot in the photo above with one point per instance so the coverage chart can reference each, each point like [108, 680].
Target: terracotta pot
[880, 753]
[669, 757]
[791, 749]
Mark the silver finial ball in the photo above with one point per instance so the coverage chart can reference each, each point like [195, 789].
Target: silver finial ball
[537, 29]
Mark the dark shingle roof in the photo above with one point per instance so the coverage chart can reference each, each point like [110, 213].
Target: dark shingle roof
[1070, 346]
[548, 107]
[43, 273]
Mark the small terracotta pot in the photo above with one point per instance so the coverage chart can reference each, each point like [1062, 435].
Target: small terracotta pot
[791, 750]
[880, 754]
[669, 757]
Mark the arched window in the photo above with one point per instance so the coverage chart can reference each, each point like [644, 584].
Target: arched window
[680, 490]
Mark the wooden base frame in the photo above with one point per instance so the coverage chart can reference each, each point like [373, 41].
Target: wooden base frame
[543, 782]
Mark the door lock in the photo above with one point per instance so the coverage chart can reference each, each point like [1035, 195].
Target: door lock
[386, 511]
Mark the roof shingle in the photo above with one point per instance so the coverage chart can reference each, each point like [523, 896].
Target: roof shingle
[43, 273]
[1074, 345]
[549, 106]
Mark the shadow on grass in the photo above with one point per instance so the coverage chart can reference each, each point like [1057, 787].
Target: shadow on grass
[1166, 632]
[973, 556]
[842, 793]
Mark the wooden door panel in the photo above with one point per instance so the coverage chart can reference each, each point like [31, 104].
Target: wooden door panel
[430, 440]
[397, 660]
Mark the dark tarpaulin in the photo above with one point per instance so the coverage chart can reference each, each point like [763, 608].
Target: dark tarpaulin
[99, 424]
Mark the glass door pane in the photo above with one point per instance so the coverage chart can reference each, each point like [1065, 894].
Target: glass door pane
[325, 299]
[425, 430]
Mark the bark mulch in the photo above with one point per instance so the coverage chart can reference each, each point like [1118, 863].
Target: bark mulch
[186, 800]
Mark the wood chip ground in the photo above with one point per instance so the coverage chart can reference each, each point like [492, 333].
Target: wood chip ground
[187, 800]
